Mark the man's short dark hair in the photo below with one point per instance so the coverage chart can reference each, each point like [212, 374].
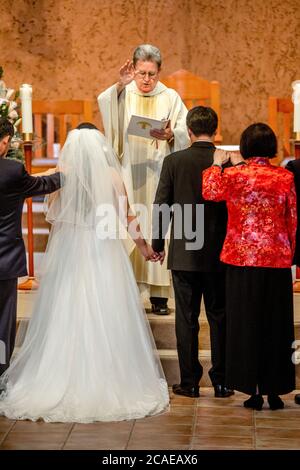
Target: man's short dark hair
[6, 128]
[258, 140]
[202, 120]
[87, 125]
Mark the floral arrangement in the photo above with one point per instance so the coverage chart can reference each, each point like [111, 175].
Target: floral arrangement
[9, 109]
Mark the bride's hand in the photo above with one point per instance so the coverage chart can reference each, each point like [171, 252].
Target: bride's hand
[148, 253]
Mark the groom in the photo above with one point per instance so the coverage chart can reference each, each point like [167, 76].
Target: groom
[197, 235]
[15, 185]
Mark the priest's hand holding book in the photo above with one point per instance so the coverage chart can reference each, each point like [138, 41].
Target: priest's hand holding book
[163, 134]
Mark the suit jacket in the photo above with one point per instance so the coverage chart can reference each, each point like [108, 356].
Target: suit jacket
[180, 187]
[294, 167]
[16, 185]
[262, 218]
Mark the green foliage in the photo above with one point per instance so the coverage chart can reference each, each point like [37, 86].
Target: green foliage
[15, 154]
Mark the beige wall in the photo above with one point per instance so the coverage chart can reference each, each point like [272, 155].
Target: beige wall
[70, 49]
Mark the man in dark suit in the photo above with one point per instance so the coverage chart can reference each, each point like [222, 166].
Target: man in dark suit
[197, 234]
[294, 167]
[15, 185]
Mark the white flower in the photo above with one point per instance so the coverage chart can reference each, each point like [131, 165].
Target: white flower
[12, 105]
[8, 109]
[8, 106]
[15, 144]
[13, 115]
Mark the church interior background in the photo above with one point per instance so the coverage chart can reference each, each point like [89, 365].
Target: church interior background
[72, 50]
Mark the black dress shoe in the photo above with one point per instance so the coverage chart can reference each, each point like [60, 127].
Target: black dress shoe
[255, 402]
[159, 305]
[222, 392]
[297, 399]
[275, 402]
[192, 392]
[161, 309]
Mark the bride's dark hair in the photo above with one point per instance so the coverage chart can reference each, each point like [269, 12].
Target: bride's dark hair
[87, 125]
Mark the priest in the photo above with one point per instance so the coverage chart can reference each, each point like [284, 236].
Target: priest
[139, 92]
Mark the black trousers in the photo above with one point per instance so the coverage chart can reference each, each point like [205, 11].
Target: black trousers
[8, 320]
[189, 286]
[260, 330]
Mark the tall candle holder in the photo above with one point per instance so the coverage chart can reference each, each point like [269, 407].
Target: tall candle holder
[31, 283]
[296, 145]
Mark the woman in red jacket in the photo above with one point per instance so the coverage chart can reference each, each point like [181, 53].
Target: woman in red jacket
[258, 250]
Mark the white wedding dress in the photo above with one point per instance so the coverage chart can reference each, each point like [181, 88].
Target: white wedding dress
[88, 354]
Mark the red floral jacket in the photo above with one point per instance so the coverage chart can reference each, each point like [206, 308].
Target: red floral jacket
[262, 218]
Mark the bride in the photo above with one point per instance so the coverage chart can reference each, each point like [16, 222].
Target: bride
[88, 354]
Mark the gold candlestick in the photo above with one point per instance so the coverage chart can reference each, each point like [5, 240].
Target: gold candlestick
[31, 283]
[296, 286]
[27, 137]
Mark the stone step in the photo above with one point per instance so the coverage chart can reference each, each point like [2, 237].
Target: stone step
[163, 330]
[39, 217]
[162, 326]
[41, 227]
[39, 220]
[169, 360]
[40, 239]
[168, 357]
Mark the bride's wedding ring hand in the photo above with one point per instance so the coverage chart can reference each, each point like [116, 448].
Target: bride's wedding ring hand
[161, 256]
[148, 253]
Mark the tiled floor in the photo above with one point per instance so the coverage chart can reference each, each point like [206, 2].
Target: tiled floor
[203, 423]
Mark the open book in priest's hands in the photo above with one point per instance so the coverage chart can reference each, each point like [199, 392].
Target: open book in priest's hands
[141, 126]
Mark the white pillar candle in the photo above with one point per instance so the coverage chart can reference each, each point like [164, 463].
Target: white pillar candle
[26, 106]
[296, 101]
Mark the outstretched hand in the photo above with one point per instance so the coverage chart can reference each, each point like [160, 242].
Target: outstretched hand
[126, 73]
